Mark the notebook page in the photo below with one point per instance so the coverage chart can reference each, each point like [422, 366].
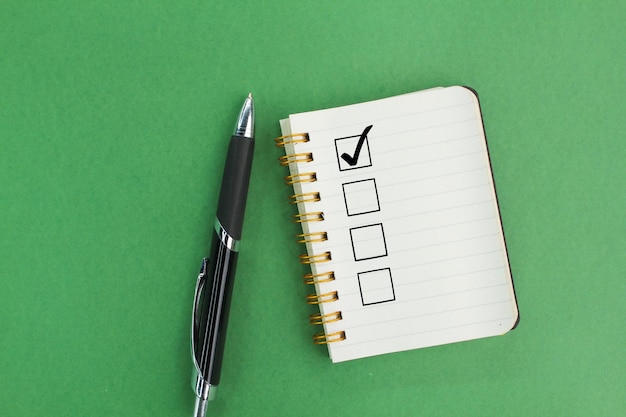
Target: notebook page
[412, 221]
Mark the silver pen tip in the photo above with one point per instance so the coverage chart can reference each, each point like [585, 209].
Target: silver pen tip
[245, 122]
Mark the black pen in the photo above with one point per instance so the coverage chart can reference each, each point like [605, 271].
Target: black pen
[215, 282]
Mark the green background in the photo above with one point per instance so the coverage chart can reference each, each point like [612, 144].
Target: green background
[114, 121]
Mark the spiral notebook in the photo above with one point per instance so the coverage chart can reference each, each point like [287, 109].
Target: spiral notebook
[400, 222]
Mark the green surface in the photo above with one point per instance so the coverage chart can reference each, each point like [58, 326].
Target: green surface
[114, 119]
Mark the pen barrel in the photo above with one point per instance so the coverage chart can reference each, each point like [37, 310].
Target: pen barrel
[232, 202]
[214, 309]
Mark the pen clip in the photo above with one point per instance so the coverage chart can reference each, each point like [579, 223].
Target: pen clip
[196, 300]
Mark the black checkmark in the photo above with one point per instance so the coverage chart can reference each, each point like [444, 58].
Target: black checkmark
[352, 160]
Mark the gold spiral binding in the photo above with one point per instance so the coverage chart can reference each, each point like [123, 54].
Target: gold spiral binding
[315, 259]
[324, 339]
[323, 277]
[304, 177]
[293, 138]
[316, 216]
[298, 158]
[311, 197]
[317, 318]
[312, 237]
[328, 297]
[312, 279]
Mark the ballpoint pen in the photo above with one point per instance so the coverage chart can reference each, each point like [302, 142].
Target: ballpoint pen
[214, 286]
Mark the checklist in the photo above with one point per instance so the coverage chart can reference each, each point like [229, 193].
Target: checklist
[361, 197]
[401, 224]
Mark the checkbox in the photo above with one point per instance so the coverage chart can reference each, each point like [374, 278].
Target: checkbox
[376, 286]
[354, 151]
[368, 242]
[361, 197]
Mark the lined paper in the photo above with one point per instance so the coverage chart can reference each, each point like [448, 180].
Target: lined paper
[419, 202]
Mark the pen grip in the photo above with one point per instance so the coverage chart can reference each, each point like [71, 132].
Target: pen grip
[214, 307]
[232, 202]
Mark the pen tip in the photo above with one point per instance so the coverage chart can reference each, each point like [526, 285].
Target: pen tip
[245, 123]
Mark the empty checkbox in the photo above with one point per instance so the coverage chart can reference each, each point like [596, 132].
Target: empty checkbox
[368, 242]
[361, 197]
[376, 286]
